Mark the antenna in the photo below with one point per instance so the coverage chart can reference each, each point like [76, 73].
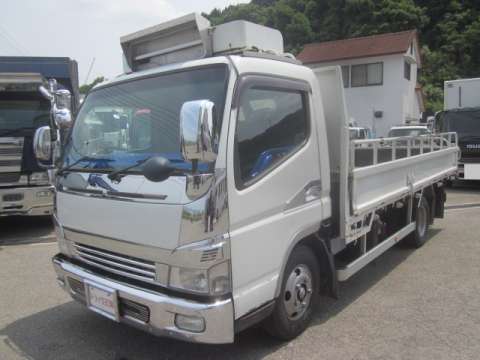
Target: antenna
[89, 70]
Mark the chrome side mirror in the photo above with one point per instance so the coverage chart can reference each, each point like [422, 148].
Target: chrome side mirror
[63, 108]
[198, 140]
[43, 146]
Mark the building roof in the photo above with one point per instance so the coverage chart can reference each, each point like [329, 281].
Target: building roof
[368, 46]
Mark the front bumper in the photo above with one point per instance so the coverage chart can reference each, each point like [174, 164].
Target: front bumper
[30, 201]
[157, 310]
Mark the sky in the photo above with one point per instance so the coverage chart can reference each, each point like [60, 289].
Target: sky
[86, 29]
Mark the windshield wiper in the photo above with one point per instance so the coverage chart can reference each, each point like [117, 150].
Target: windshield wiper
[83, 158]
[117, 175]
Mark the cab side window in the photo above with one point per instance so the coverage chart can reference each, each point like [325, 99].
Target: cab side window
[272, 124]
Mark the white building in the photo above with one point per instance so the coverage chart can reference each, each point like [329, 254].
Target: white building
[379, 75]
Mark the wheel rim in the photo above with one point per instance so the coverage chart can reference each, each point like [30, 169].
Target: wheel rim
[421, 221]
[298, 292]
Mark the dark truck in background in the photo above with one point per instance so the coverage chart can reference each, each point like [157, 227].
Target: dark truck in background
[466, 123]
[24, 185]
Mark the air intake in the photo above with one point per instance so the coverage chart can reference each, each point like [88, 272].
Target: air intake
[209, 255]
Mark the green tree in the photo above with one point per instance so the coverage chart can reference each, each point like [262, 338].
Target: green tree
[449, 30]
[85, 88]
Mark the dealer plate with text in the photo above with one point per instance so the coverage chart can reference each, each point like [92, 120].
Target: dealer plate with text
[102, 300]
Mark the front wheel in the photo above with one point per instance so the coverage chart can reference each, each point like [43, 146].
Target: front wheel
[422, 215]
[298, 297]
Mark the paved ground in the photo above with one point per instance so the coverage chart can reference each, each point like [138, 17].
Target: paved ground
[422, 304]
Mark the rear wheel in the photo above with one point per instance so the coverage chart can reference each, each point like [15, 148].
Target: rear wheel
[422, 214]
[298, 297]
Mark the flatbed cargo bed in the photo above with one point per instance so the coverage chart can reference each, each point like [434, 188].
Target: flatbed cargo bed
[367, 175]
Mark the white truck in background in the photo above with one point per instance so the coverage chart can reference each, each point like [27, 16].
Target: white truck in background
[461, 114]
[215, 186]
[462, 93]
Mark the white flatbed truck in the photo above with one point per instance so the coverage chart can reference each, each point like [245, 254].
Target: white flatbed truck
[215, 186]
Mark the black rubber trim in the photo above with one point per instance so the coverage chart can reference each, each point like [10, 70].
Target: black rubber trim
[141, 285]
[254, 317]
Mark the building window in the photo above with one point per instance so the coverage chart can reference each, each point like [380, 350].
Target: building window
[272, 124]
[407, 70]
[367, 74]
[346, 76]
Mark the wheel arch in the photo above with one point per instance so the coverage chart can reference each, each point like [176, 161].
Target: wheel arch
[310, 237]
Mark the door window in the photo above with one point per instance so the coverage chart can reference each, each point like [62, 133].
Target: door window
[272, 124]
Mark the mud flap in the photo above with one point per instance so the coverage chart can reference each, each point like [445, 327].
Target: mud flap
[440, 198]
[328, 263]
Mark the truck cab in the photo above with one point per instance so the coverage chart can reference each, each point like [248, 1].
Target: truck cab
[466, 123]
[25, 106]
[24, 185]
[214, 186]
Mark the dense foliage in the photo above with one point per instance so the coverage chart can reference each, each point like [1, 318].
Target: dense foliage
[449, 30]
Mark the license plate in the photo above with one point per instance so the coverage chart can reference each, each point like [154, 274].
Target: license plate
[102, 300]
[471, 172]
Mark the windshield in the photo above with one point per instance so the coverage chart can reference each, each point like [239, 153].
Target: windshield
[464, 123]
[22, 111]
[407, 132]
[123, 124]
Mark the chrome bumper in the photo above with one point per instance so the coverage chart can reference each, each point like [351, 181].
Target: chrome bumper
[30, 201]
[162, 309]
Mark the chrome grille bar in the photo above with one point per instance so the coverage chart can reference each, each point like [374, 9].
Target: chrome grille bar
[9, 178]
[116, 263]
[10, 162]
[13, 151]
[128, 260]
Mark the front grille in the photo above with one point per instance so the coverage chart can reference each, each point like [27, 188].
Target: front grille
[10, 162]
[11, 151]
[9, 178]
[133, 310]
[470, 152]
[120, 264]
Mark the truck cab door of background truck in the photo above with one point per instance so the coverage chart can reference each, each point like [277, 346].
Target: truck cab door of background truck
[273, 182]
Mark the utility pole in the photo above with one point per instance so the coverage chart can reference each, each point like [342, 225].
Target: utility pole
[89, 70]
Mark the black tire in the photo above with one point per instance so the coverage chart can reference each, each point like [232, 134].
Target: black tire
[422, 215]
[283, 323]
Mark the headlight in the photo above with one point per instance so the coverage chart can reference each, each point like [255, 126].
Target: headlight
[189, 279]
[219, 278]
[214, 281]
[39, 178]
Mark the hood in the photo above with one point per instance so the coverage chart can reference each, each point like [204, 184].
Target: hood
[135, 211]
